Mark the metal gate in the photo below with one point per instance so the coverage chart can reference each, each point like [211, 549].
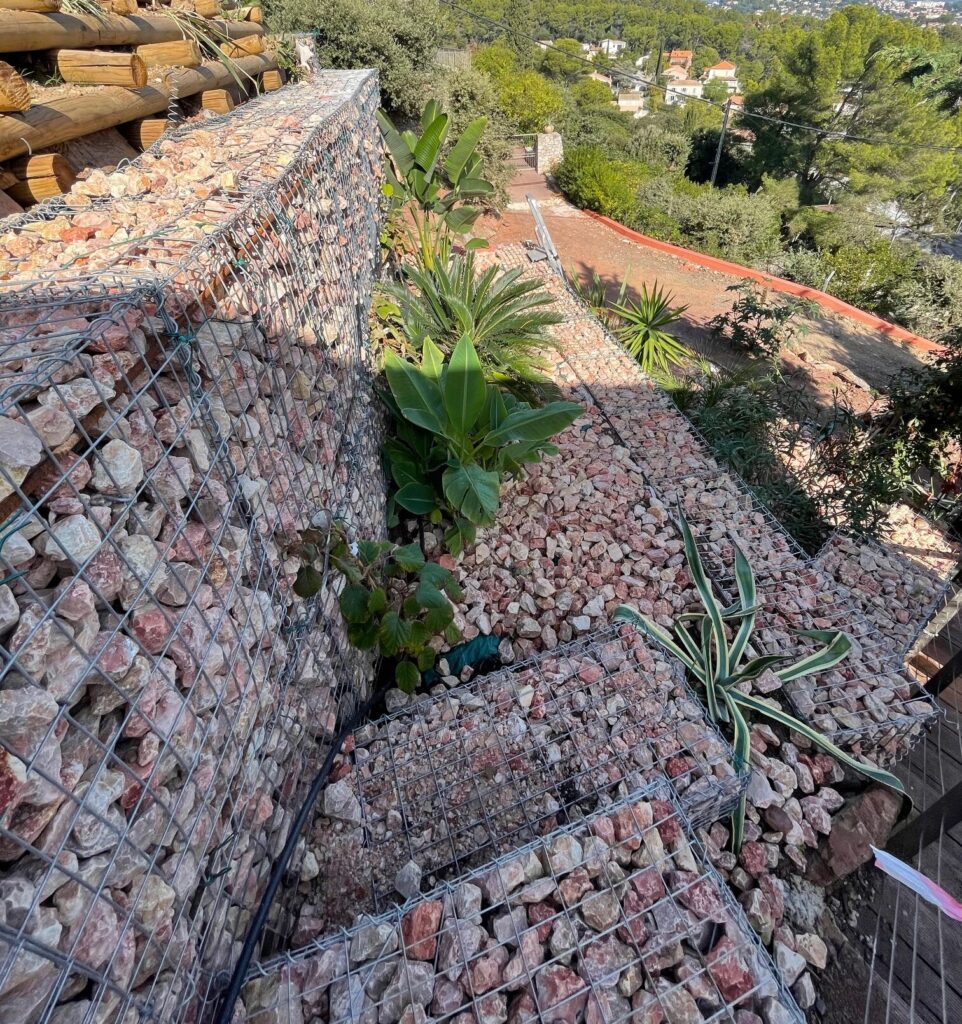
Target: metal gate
[524, 151]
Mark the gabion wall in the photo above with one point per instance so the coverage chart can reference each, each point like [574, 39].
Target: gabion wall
[183, 387]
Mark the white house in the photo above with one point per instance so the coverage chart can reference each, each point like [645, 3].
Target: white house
[724, 71]
[612, 47]
[681, 89]
[673, 71]
[634, 103]
[597, 76]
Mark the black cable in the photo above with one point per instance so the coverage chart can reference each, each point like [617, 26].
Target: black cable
[225, 1008]
[630, 77]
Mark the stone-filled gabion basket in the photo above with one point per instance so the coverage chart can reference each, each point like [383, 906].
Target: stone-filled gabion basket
[451, 780]
[617, 918]
[183, 387]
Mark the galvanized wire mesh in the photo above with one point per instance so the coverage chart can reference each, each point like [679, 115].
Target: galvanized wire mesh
[166, 429]
[472, 772]
[868, 702]
[619, 917]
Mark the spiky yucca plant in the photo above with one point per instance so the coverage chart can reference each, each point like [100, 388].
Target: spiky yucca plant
[505, 316]
[643, 329]
[718, 663]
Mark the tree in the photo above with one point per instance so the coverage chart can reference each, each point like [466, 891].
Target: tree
[530, 101]
[703, 57]
[589, 92]
[563, 60]
[397, 37]
[733, 167]
[715, 90]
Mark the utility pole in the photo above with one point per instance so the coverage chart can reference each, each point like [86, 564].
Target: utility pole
[721, 141]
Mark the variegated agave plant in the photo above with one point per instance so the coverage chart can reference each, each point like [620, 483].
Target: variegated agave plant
[717, 661]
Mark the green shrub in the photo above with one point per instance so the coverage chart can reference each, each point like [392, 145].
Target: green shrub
[759, 322]
[458, 437]
[659, 147]
[593, 181]
[394, 599]
[643, 329]
[505, 315]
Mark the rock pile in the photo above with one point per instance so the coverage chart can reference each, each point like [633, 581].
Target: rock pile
[619, 918]
[449, 781]
[165, 432]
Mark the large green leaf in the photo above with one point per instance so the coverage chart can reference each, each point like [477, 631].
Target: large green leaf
[527, 424]
[463, 388]
[702, 585]
[393, 634]
[406, 676]
[428, 148]
[418, 499]
[353, 602]
[762, 707]
[418, 397]
[308, 582]
[397, 146]
[458, 158]
[747, 595]
[741, 747]
[837, 646]
[472, 491]
[432, 359]
[625, 613]
[409, 557]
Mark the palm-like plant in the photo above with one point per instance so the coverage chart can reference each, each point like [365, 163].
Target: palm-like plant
[431, 198]
[643, 329]
[713, 645]
[505, 316]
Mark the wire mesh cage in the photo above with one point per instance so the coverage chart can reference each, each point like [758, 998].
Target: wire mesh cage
[867, 702]
[468, 773]
[176, 405]
[619, 917]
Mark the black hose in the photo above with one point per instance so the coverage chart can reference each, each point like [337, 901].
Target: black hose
[225, 1008]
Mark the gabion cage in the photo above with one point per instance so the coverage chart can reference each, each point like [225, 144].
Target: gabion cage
[868, 702]
[184, 387]
[454, 779]
[619, 917]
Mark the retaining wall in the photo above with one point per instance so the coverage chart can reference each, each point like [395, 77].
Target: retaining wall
[183, 388]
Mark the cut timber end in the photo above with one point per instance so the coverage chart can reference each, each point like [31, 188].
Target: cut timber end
[184, 53]
[14, 94]
[37, 6]
[145, 132]
[218, 100]
[253, 13]
[246, 47]
[122, 7]
[40, 177]
[272, 80]
[202, 8]
[101, 67]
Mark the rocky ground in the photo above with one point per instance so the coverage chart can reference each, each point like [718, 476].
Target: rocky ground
[618, 918]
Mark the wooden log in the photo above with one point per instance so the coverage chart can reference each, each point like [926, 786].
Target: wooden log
[68, 117]
[22, 30]
[254, 13]
[202, 8]
[38, 6]
[7, 178]
[101, 150]
[123, 7]
[14, 94]
[183, 53]
[144, 133]
[40, 177]
[218, 100]
[272, 80]
[243, 47]
[43, 165]
[102, 67]
[8, 206]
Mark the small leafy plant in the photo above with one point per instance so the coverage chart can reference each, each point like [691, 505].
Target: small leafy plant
[713, 646]
[643, 330]
[760, 323]
[505, 315]
[458, 436]
[433, 199]
[394, 600]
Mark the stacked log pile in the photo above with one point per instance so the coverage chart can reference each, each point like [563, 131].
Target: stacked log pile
[161, 444]
[117, 71]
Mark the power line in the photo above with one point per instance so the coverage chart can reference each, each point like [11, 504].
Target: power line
[631, 77]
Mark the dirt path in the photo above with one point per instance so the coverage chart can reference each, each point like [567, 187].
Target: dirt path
[836, 354]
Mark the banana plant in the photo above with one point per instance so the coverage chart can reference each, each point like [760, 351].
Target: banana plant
[431, 198]
[458, 436]
[713, 645]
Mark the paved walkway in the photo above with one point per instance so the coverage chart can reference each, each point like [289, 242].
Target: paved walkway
[836, 354]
